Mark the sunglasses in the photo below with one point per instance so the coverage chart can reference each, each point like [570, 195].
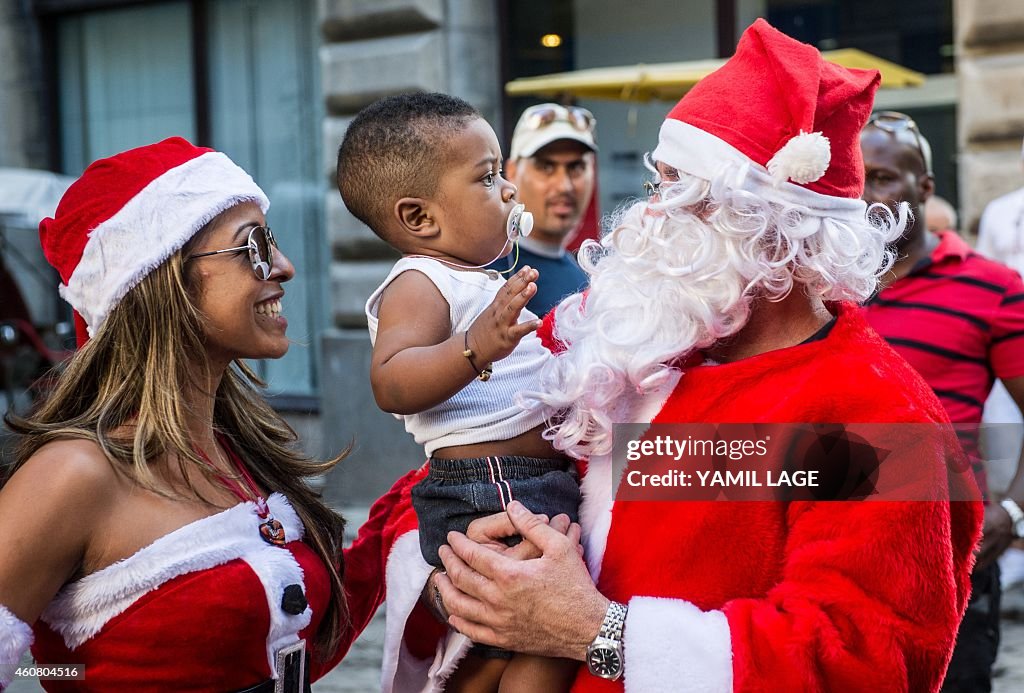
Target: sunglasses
[260, 245]
[894, 122]
[652, 187]
[580, 118]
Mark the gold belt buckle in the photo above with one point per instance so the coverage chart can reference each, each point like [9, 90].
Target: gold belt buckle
[291, 668]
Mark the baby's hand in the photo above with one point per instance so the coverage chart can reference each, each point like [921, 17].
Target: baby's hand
[496, 332]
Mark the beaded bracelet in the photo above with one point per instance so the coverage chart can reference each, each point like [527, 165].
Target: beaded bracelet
[481, 375]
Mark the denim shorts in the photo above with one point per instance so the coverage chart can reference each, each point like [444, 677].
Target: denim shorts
[456, 492]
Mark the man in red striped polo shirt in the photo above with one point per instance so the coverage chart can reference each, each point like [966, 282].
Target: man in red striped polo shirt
[958, 318]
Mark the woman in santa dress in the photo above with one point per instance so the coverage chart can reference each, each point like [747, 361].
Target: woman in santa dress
[160, 530]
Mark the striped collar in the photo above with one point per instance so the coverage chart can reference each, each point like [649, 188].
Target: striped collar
[950, 246]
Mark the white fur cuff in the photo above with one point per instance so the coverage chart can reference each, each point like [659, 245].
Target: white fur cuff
[15, 638]
[670, 642]
[407, 572]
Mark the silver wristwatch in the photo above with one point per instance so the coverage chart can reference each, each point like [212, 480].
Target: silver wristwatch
[1016, 516]
[604, 655]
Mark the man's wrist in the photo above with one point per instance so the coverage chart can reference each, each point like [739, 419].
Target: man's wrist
[1016, 516]
[431, 597]
[591, 626]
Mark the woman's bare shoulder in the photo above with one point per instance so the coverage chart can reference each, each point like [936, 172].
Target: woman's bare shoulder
[73, 471]
[50, 509]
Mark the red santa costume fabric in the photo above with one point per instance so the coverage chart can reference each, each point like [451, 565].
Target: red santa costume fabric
[174, 614]
[200, 609]
[838, 595]
[799, 596]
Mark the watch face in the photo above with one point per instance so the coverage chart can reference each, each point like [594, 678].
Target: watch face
[604, 661]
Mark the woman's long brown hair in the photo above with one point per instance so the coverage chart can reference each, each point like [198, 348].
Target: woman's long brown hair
[122, 390]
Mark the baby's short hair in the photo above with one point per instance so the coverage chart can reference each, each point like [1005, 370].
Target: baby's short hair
[393, 149]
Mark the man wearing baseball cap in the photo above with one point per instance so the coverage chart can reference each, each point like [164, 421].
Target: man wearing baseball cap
[551, 162]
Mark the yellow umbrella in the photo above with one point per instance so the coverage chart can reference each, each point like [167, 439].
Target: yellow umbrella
[669, 81]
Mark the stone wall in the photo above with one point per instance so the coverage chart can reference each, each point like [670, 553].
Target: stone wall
[374, 48]
[990, 67]
[22, 116]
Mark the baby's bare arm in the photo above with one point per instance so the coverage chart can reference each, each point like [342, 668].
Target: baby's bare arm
[418, 363]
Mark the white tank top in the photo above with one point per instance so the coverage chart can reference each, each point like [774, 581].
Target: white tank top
[481, 411]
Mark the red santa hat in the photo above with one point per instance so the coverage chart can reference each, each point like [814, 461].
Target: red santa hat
[781, 119]
[129, 213]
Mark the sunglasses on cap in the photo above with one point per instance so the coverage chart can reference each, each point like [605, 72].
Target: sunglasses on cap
[541, 116]
[893, 122]
[260, 245]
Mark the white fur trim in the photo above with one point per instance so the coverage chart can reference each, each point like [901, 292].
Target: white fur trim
[804, 159]
[596, 491]
[81, 609]
[15, 639]
[276, 569]
[151, 227]
[701, 154]
[669, 642]
[406, 574]
[598, 487]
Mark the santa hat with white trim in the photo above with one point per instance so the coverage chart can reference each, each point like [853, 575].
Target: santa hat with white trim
[781, 119]
[129, 213]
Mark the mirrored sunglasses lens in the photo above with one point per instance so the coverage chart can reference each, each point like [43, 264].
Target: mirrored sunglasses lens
[542, 117]
[890, 121]
[581, 118]
[260, 252]
[271, 243]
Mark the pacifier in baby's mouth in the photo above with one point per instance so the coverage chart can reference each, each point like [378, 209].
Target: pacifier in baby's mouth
[519, 224]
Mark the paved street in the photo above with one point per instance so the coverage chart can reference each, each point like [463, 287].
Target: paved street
[1010, 666]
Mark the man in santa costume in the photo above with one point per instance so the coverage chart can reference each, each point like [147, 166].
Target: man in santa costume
[727, 298]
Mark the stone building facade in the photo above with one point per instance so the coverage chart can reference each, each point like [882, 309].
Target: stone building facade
[990, 69]
[23, 135]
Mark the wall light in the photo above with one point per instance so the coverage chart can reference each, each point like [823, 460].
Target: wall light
[551, 40]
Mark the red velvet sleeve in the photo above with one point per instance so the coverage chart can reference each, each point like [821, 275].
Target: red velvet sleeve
[390, 516]
[871, 599]
[546, 331]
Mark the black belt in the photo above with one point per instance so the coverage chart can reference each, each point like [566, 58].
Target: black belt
[292, 670]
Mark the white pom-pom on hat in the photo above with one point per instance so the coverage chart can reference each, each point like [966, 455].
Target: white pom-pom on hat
[804, 159]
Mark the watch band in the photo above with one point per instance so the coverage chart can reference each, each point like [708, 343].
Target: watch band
[1016, 516]
[604, 655]
[614, 622]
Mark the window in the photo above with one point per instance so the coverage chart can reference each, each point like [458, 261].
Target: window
[237, 75]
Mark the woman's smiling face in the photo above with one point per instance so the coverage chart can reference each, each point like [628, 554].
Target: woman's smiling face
[241, 313]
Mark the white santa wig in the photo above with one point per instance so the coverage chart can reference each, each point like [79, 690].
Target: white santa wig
[679, 273]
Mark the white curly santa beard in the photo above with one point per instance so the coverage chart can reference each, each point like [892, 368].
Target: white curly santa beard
[680, 272]
[661, 285]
